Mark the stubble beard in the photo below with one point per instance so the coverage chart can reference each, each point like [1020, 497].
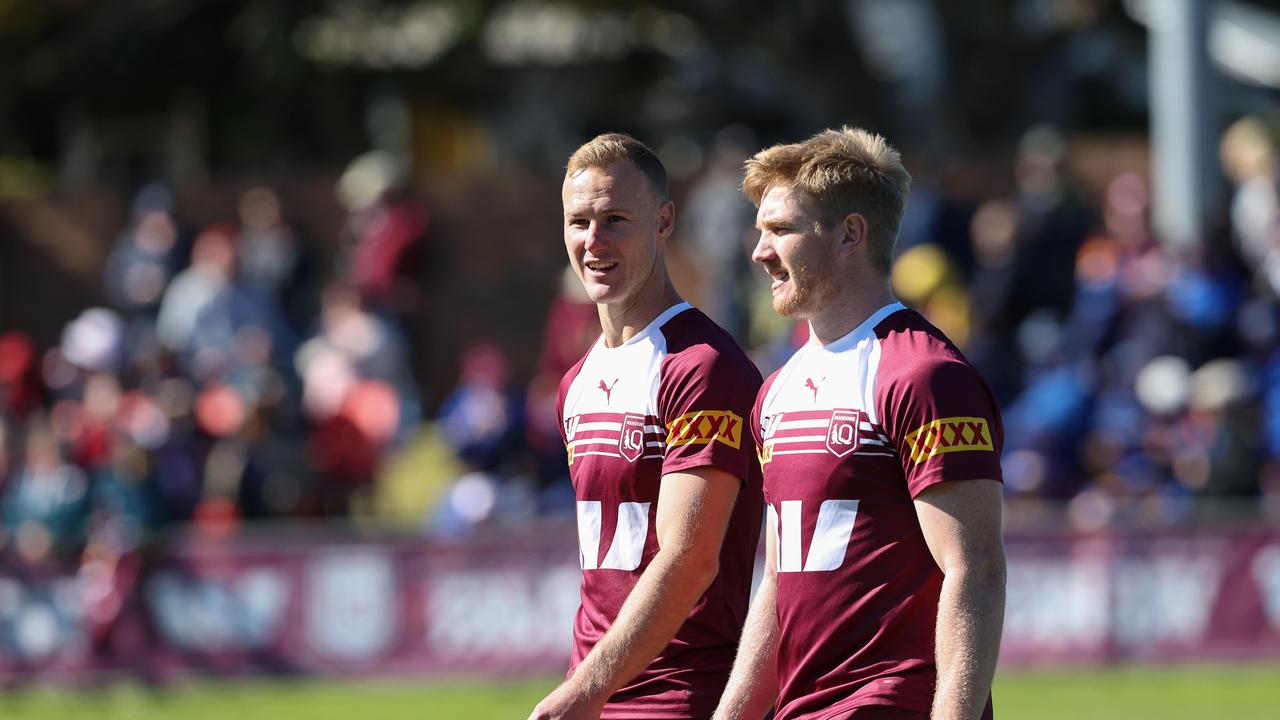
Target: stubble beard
[809, 285]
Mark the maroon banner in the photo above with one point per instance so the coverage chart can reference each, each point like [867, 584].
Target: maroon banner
[291, 605]
[1179, 596]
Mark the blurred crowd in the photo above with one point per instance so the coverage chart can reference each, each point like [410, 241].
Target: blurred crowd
[1135, 377]
[234, 376]
[230, 378]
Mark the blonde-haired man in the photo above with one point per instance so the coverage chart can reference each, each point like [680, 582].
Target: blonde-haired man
[883, 594]
[667, 484]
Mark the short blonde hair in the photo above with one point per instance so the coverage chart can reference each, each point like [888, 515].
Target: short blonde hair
[843, 171]
[609, 148]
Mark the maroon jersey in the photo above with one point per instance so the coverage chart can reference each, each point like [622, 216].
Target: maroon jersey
[850, 433]
[673, 398]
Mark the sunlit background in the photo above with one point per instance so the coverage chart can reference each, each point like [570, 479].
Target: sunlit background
[283, 307]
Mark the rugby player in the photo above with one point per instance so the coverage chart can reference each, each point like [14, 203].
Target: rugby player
[883, 595]
[667, 484]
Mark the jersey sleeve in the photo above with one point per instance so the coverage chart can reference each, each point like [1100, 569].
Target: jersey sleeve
[705, 398]
[944, 423]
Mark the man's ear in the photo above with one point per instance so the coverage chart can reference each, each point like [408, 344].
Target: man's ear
[666, 220]
[854, 235]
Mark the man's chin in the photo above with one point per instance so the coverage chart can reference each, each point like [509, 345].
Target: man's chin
[787, 305]
[602, 294]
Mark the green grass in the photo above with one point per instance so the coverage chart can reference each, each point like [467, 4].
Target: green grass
[1247, 692]
[267, 700]
[1209, 692]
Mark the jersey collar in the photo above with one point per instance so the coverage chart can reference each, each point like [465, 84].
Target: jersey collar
[657, 322]
[865, 328]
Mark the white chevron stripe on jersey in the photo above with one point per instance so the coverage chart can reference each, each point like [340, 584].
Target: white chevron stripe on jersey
[824, 451]
[798, 439]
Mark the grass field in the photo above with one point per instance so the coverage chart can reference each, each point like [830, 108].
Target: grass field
[1249, 692]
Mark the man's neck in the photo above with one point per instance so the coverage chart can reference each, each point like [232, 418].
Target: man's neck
[839, 318]
[619, 322]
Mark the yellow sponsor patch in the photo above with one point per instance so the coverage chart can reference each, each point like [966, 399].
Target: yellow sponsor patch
[705, 426]
[569, 450]
[764, 453]
[949, 435]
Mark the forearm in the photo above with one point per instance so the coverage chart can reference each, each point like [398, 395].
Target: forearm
[656, 608]
[753, 684]
[970, 619]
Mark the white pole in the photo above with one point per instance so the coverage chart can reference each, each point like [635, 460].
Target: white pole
[1184, 180]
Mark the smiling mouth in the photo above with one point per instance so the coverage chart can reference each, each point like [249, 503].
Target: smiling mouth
[600, 266]
[778, 274]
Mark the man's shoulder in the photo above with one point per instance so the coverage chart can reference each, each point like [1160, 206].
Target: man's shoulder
[911, 347]
[695, 342]
[691, 329]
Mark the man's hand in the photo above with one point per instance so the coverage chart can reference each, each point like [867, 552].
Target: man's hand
[568, 702]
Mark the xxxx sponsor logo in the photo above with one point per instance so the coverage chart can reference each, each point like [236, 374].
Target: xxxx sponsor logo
[949, 435]
[705, 426]
[764, 453]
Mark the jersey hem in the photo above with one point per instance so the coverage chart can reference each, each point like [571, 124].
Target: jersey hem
[701, 462]
[674, 713]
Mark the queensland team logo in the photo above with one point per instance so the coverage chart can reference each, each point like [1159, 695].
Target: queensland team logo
[842, 432]
[631, 437]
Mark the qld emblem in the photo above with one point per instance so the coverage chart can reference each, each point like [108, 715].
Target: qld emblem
[842, 432]
[631, 437]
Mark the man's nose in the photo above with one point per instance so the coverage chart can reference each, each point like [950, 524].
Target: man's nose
[763, 251]
[596, 236]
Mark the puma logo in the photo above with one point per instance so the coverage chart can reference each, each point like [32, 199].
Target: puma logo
[808, 382]
[608, 390]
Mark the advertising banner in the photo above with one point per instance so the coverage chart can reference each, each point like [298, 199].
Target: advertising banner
[505, 605]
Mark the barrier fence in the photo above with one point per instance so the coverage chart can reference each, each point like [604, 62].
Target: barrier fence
[305, 604]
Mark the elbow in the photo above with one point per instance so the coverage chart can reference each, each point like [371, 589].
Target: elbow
[994, 574]
[702, 571]
[986, 569]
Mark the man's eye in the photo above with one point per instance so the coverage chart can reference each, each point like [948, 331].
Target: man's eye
[616, 218]
[578, 223]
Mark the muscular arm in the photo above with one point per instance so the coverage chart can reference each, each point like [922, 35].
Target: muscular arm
[961, 524]
[753, 684]
[693, 513]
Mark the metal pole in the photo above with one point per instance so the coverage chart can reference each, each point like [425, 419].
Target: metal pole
[1181, 121]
